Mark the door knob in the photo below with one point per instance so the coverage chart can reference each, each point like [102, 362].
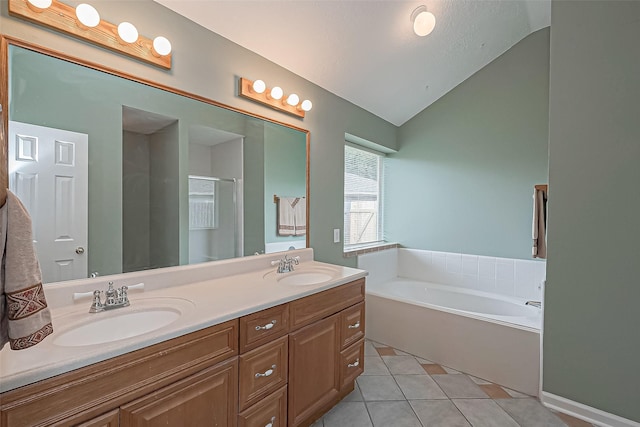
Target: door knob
[79, 250]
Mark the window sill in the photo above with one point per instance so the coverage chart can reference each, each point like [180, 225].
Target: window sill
[365, 249]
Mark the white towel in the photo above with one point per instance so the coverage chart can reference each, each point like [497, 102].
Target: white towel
[24, 315]
[300, 215]
[292, 216]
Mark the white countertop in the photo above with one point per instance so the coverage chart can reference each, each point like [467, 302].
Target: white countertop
[229, 293]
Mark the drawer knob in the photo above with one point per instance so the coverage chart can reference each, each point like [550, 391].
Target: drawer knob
[266, 373]
[355, 325]
[270, 424]
[354, 364]
[266, 327]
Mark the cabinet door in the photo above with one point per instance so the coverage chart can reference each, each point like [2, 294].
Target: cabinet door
[208, 398]
[314, 373]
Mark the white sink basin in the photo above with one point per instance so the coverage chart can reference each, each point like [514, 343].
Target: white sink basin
[303, 276]
[119, 324]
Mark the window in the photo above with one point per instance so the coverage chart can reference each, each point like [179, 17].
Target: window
[362, 196]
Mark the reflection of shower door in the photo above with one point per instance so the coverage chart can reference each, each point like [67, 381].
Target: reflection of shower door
[48, 171]
[213, 219]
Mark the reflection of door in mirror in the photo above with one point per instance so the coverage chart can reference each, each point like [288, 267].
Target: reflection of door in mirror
[48, 171]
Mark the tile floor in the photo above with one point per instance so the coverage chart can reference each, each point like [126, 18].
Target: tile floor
[400, 390]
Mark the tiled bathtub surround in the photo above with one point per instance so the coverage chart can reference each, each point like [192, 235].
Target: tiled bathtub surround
[504, 276]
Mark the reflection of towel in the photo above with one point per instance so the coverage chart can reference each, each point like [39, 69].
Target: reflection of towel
[292, 216]
[24, 314]
[539, 223]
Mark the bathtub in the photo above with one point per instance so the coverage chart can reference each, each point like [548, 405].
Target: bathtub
[490, 336]
[475, 304]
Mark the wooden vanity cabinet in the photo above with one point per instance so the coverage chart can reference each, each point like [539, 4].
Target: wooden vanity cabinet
[283, 366]
[317, 378]
[91, 394]
[325, 334]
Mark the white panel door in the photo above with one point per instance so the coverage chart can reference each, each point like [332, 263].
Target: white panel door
[48, 171]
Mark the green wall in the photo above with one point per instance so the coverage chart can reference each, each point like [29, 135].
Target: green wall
[591, 338]
[463, 178]
[284, 175]
[209, 65]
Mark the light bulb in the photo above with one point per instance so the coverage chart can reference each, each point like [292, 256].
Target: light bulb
[38, 5]
[259, 86]
[306, 105]
[276, 92]
[87, 15]
[128, 32]
[161, 46]
[424, 23]
[293, 99]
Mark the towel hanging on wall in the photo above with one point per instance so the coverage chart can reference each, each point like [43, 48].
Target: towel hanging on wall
[292, 216]
[24, 313]
[540, 221]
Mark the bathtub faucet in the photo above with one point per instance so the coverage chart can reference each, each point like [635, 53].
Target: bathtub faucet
[534, 303]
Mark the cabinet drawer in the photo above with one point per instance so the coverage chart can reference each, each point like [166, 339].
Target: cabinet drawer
[262, 371]
[206, 398]
[261, 327]
[315, 307]
[352, 325]
[351, 363]
[269, 412]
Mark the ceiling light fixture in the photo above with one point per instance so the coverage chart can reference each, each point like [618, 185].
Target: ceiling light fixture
[259, 86]
[276, 93]
[123, 38]
[88, 16]
[257, 91]
[306, 105]
[38, 6]
[293, 99]
[423, 21]
[128, 32]
[161, 46]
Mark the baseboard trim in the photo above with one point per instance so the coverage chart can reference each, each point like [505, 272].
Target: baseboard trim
[584, 412]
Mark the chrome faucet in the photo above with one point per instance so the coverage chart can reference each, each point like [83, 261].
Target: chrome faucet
[114, 298]
[285, 265]
[534, 303]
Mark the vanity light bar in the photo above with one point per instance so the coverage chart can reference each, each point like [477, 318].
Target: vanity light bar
[62, 17]
[273, 97]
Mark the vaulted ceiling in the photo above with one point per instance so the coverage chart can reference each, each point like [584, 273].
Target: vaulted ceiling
[366, 51]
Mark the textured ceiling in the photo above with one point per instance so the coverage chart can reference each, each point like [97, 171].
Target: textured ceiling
[366, 51]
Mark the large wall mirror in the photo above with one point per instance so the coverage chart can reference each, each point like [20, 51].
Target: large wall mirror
[121, 175]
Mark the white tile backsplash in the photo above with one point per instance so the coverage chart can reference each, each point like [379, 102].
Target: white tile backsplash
[506, 276]
[454, 263]
[470, 265]
[382, 265]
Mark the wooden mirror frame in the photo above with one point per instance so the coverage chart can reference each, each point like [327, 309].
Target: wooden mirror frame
[5, 41]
